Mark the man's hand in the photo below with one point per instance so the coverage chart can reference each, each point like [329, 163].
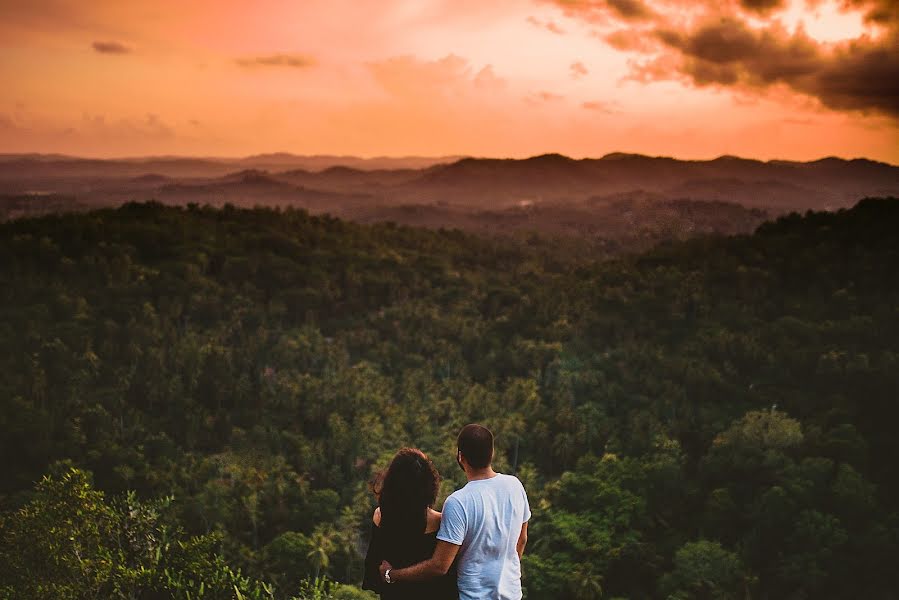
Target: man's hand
[437, 565]
[522, 539]
[385, 566]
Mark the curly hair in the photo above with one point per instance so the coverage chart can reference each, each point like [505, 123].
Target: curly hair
[405, 491]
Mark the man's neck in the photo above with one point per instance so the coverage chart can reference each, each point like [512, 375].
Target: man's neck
[478, 474]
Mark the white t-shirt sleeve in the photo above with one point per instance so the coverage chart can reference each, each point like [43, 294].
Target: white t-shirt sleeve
[452, 524]
[527, 507]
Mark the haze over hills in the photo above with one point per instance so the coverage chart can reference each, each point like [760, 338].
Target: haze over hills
[184, 166]
[618, 195]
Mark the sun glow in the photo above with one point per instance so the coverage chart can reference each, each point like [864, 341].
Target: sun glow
[826, 22]
[439, 77]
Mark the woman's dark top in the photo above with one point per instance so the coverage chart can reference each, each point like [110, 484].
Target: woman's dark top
[404, 553]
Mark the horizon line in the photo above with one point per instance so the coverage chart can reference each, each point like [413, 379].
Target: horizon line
[447, 157]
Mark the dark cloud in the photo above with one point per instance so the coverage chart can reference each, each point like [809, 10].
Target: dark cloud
[861, 74]
[631, 10]
[719, 42]
[724, 49]
[294, 61]
[762, 7]
[601, 11]
[110, 48]
[881, 12]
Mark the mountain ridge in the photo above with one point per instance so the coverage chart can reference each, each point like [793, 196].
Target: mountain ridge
[548, 192]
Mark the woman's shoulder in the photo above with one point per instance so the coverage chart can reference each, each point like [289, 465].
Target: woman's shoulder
[433, 523]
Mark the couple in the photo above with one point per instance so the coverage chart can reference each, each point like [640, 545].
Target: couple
[471, 552]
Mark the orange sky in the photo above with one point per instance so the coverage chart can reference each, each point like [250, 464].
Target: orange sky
[796, 79]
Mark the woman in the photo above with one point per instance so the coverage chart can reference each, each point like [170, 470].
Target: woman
[404, 530]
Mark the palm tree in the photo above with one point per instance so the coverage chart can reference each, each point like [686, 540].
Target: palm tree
[586, 584]
[322, 542]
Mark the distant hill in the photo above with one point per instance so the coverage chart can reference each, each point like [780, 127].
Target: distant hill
[57, 165]
[550, 193]
[283, 161]
[779, 185]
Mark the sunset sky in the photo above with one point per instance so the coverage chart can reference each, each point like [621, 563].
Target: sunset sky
[794, 79]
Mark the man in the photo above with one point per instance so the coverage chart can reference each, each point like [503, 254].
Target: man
[485, 523]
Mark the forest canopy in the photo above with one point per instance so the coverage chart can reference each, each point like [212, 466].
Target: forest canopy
[195, 399]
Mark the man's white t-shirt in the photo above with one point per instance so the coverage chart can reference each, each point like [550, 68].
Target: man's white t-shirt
[485, 519]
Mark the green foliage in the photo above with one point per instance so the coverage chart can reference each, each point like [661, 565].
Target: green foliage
[761, 430]
[69, 542]
[287, 559]
[704, 570]
[252, 369]
[319, 588]
[55, 546]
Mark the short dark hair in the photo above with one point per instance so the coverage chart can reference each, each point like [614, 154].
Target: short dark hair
[475, 442]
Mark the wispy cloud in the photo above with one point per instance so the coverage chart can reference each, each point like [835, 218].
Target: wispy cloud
[293, 61]
[542, 97]
[547, 25]
[603, 107]
[109, 47]
[578, 70]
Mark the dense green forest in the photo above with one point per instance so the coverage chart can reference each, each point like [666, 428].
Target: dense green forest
[195, 399]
